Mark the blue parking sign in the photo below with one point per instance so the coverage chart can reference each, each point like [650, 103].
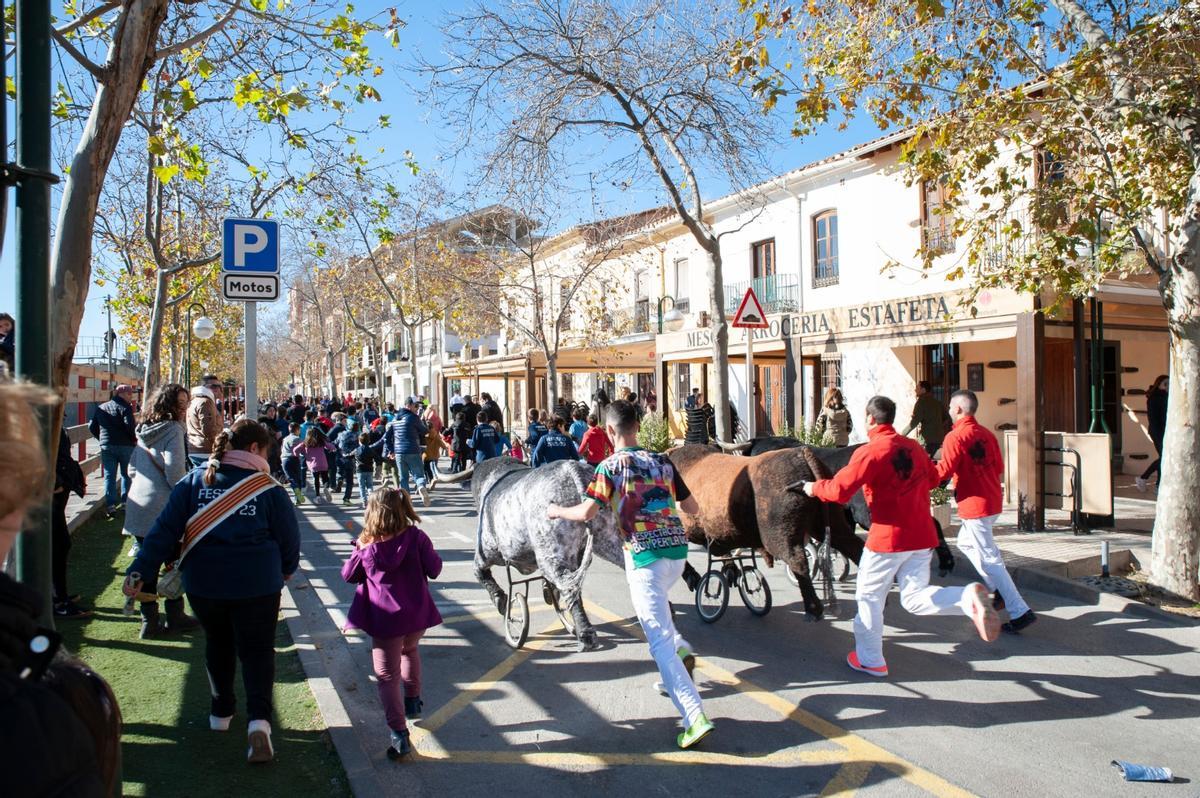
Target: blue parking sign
[250, 245]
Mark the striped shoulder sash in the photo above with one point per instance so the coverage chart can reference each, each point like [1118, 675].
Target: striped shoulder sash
[228, 503]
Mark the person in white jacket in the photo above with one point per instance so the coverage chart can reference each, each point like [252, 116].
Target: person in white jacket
[159, 461]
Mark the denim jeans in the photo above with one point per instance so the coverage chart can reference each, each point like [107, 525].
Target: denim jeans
[293, 468]
[366, 484]
[411, 464]
[112, 459]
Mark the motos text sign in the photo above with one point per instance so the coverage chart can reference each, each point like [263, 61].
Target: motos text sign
[249, 287]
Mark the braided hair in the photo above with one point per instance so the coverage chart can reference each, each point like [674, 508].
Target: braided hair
[242, 435]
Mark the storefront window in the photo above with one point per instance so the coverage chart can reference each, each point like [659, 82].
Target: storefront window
[825, 249]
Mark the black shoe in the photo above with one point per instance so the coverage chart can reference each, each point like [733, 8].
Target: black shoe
[1015, 625]
[69, 609]
[151, 630]
[997, 601]
[400, 746]
[178, 621]
[412, 706]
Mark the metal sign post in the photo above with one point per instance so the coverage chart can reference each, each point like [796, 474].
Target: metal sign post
[751, 317]
[250, 268]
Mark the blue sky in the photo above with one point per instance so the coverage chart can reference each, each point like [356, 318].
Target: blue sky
[417, 128]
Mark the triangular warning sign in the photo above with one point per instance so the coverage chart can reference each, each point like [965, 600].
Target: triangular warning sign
[750, 313]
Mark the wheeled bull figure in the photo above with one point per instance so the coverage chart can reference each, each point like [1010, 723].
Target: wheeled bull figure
[835, 459]
[744, 503]
[511, 499]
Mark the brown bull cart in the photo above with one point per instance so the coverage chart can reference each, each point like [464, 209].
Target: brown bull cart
[726, 569]
[740, 567]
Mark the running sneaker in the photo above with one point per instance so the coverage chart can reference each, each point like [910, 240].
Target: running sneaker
[424, 496]
[328, 495]
[879, 671]
[259, 736]
[986, 621]
[695, 733]
[219, 724]
[1015, 625]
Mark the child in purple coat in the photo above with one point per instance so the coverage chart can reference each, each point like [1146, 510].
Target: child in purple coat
[314, 451]
[392, 563]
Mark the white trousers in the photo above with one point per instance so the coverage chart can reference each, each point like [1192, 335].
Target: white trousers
[648, 588]
[976, 543]
[910, 569]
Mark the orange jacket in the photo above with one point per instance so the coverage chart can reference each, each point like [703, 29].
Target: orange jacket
[971, 454]
[896, 476]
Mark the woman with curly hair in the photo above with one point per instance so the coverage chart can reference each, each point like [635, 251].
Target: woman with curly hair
[159, 461]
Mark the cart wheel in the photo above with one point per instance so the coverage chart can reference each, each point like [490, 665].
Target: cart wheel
[756, 593]
[516, 620]
[821, 571]
[564, 616]
[712, 596]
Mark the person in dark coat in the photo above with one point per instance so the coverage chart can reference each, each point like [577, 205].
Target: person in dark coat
[59, 720]
[1156, 421]
[8, 342]
[68, 479]
[493, 410]
[114, 426]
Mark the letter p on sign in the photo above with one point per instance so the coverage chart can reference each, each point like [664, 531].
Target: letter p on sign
[250, 246]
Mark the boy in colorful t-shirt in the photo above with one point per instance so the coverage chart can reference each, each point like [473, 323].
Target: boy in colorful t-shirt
[646, 492]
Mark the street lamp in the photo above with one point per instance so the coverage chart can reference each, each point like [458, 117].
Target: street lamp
[204, 329]
[672, 320]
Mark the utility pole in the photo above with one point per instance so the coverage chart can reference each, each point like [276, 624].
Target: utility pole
[33, 266]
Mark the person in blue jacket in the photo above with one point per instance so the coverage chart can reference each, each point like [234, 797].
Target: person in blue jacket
[554, 445]
[484, 439]
[405, 443]
[233, 576]
[114, 426]
[536, 429]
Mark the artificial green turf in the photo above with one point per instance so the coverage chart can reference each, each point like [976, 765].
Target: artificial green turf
[162, 687]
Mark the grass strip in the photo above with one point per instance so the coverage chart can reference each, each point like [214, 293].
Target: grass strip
[163, 691]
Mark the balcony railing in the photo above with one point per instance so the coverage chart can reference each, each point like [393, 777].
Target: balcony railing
[938, 239]
[778, 293]
[627, 321]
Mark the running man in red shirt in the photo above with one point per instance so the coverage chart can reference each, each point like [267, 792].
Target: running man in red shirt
[896, 475]
[971, 454]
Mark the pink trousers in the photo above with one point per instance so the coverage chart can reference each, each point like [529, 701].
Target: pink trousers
[398, 669]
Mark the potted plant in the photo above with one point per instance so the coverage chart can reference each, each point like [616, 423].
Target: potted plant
[939, 506]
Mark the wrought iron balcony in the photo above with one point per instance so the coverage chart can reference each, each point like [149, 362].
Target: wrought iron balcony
[779, 293]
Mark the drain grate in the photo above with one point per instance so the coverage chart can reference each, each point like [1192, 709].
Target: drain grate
[1117, 585]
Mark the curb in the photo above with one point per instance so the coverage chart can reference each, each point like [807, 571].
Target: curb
[361, 775]
[1045, 582]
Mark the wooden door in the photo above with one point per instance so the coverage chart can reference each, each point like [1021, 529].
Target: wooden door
[1058, 386]
[769, 410]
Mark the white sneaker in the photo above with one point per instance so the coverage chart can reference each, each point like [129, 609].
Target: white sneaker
[219, 724]
[1141, 484]
[259, 735]
[328, 495]
[424, 494]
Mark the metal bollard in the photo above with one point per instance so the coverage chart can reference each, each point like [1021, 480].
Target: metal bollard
[1104, 558]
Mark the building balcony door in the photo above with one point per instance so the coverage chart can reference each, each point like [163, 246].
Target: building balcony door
[769, 399]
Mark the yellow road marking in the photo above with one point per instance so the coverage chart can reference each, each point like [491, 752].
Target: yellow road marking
[849, 777]
[786, 758]
[859, 748]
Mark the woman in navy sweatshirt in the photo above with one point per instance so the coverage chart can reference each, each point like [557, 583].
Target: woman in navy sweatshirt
[233, 575]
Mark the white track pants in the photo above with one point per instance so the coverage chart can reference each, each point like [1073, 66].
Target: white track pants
[911, 570]
[976, 543]
[648, 588]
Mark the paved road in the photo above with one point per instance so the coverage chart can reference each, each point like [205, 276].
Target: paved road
[1038, 715]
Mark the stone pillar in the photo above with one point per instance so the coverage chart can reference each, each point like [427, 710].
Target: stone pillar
[1031, 511]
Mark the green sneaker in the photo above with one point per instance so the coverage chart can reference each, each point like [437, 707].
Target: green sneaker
[695, 733]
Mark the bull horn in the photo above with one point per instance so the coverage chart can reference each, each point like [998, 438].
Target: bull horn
[461, 476]
[735, 448]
